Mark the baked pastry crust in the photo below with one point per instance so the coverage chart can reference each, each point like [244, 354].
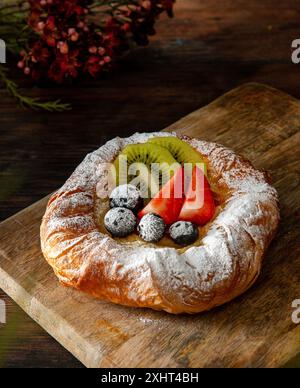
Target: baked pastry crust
[225, 264]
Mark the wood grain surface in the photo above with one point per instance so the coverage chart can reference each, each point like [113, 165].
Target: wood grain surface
[254, 330]
[206, 50]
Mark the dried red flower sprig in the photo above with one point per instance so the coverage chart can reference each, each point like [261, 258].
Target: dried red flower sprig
[76, 37]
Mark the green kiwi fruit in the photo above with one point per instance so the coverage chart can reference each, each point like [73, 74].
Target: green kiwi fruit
[179, 149]
[145, 154]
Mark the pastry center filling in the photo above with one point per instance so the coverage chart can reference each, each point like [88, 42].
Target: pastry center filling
[162, 195]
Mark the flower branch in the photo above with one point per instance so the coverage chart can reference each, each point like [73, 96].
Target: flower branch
[29, 102]
[63, 40]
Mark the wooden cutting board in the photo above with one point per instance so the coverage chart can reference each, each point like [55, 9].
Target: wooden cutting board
[254, 330]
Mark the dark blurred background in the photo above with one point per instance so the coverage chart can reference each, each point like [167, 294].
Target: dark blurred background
[210, 47]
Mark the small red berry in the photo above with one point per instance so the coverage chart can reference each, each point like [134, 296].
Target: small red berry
[63, 47]
[93, 50]
[126, 27]
[41, 26]
[74, 37]
[146, 4]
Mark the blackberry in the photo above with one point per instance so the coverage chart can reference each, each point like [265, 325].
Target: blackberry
[127, 196]
[184, 233]
[151, 228]
[120, 222]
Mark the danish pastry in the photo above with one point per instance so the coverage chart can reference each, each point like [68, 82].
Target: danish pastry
[146, 267]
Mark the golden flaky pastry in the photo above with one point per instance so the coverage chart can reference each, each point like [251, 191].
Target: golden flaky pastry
[223, 264]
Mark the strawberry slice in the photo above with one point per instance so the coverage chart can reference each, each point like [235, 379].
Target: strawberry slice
[168, 202]
[199, 206]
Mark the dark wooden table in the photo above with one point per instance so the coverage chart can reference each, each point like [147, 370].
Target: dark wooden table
[210, 47]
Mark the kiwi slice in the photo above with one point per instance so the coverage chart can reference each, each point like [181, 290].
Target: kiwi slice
[158, 160]
[179, 149]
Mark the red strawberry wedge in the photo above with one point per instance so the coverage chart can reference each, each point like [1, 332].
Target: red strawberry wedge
[168, 202]
[199, 206]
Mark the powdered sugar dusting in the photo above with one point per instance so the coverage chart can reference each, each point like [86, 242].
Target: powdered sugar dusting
[228, 258]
